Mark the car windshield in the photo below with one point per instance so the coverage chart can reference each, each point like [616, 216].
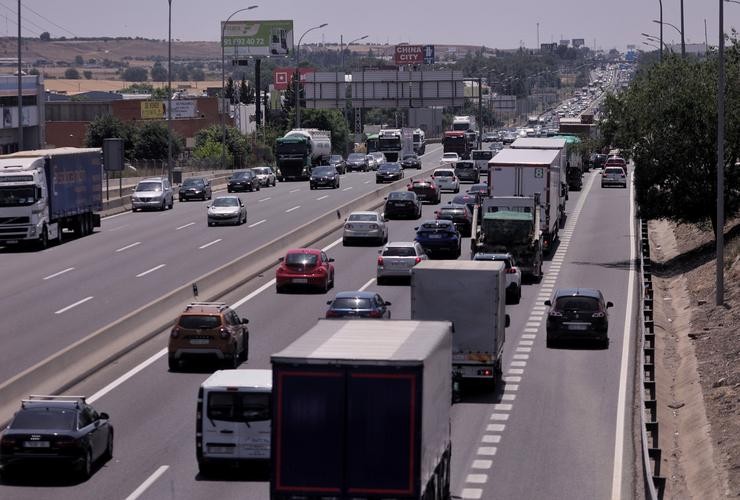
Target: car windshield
[239, 406]
[577, 303]
[301, 259]
[261, 170]
[45, 419]
[401, 195]
[242, 175]
[437, 225]
[489, 258]
[399, 252]
[199, 321]
[149, 186]
[464, 164]
[335, 158]
[363, 218]
[450, 156]
[451, 211]
[351, 303]
[478, 188]
[444, 173]
[193, 183]
[410, 157]
[323, 170]
[226, 202]
[356, 157]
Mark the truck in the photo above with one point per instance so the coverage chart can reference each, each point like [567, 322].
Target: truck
[439, 292]
[481, 157]
[420, 141]
[361, 410]
[554, 143]
[299, 150]
[466, 124]
[390, 144]
[526, 172]
[510, 224]
[43, 192]
[456, 141]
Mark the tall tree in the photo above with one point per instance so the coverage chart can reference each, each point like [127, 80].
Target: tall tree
[229, 90]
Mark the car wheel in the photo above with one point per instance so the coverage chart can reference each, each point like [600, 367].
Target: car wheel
[245, 348]
[232, 362]
[457, 190]
[205, 469]
[326, 286]
[549, 342]
[181, 199]
[171, 205]
[518, 295]
[108, 453]
[172, 363]
[380, 280]
[345, 242]
[86, 466]
[279, 289]
[258, 187]
[163, 206]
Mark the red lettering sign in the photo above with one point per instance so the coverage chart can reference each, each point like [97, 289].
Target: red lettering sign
[409, 54]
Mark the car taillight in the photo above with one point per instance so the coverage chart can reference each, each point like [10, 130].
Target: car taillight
[380, 260]
[332, 314]
[375, 314]
[175, 332]
[373, 226]
[348, 226]
[511, 270]
[7, 442]
[223, 333]
[417, 260]
[66, 442]
[598, 314]
[555, 313]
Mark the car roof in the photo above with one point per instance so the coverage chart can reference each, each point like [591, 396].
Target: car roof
[578, 292]
[363, 212]
[446, 169]
[223, 196]
[151, 179]
[66, 402]
[310, 251]
[205, 308]
[404, 244]
[357, 294]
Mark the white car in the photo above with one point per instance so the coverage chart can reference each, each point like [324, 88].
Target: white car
[365, 226]
[513, 274]
[397, 258]
[227, 210]
[446, 180]
[449, 159]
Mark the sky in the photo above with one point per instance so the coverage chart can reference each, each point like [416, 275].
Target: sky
[493, 23]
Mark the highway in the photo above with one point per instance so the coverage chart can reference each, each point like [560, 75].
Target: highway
[557, 428]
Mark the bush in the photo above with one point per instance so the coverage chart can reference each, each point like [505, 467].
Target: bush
[72, 74]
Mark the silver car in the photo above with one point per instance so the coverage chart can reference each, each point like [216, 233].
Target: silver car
[152, 192]
[227, 210]
[365, 226]
[265, 175]
[397, 258]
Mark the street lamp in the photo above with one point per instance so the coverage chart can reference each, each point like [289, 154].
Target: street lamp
[223, 85]
[169, 90]
[651, 45]
[680, 32]
[654, 38]
[660, 2]
[348, 44]
[298, 77]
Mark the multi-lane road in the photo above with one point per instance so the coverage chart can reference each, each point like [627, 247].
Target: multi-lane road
[559, 427]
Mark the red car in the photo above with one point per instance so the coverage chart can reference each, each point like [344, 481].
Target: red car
[305, 267]
[426, 190]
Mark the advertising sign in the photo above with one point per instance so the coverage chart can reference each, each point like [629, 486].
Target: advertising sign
[281, 77]
[258, 38]
[157, 110]
[578, 42]
[409, 54]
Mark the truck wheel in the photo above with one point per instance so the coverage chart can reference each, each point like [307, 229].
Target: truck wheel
[60, 236]
[44, 239]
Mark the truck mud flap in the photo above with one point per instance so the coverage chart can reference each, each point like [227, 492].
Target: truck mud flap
[96, 220]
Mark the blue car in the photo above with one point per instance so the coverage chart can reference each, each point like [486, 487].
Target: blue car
[439, 238]
[358, 305]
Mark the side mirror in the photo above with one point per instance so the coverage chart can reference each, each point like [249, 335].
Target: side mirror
[208, 206]
[507, 322]
[328, 302]
[331, 259]
[416, 228]
[609, 304]
[228, 178]
[245, 321]
[281, 259]
[548, 303]
[104, 416]
[387, 303]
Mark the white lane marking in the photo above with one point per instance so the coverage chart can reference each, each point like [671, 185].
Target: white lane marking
[487, 450]
[209, 244]
[481, 464]
[370, 282]
[533, 324]
[523, 349]
[495, 427]
[502, 407]
[491, 439]
[258, 223]
[367, 182]
[526, 342]
[322, 197]
[477, 478]
[515, 371]
[146, 484]
[529, 336]
[531, 330]
[508, 397]
[65, 309]
[539, 308]
[264, 199]
[471, 494]
[59, 273]
[294, 191]
[509, 379]
[626, 344]
[347, 189]
[332, 245]
[123, 378]
[511, 387]
[132, 245]
[500, 417]
[520, 364]
[150, 270]
[184, 226]
[294, 208]
[113, 216]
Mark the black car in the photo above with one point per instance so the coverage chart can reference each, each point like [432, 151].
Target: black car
[243, 180]
[459, 214]
[439, 238]
[358, 305]
[411, 161]
[400, 204]
[388, 172]
[337, 161]
[598, 160]
[465, 199]
[357, 162]
[578, 314]
[56, 429]
[325, 176]
[195, 188]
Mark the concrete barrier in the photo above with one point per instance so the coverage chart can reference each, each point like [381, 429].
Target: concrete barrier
[68, 367]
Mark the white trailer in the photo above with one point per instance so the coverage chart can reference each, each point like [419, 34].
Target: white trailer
[530, 172]
[555, 143]
[479, 319]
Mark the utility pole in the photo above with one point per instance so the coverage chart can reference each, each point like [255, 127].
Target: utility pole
[720, 236]
[706, 41]
[480, 112]
[683, 39]
[169, 91]
[20, 84]
[538, 37]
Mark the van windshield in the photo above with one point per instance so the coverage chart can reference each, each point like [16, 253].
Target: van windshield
[239, 406]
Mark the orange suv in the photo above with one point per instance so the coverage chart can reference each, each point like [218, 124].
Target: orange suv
[208, 329]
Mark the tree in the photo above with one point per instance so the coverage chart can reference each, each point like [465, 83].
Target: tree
[108, 126]
[197, 75]
[79, 61]
[331, 120]
[289, 98]
[246, 93]
[236, 143]
[72, 74]
[151, 141]
[159, 72]
[45, 36]
[135, 74]
[229, 90]
[87, 74]
[210, 152]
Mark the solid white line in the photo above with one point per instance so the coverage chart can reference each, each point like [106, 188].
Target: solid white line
[150, 270]
[322, 197]
[209, 244]
[184, 226]
[114, 216]
[65, 309]
[332, 245]
[370, 282]
[264, 199]
[294, 208]
[626, 344]
[123, 378]
[59, 273]
[252, 295]
[294, 191]
[132, 245]
[258, 223]
[146, 484]
[347, 189]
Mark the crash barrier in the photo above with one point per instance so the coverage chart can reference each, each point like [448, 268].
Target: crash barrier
[651, 453]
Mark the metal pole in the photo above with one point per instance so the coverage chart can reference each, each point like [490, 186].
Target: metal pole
[480, 112]
[297, 86]
[169, 92]
[683, 39]
[720, 235]
[661, 29]
[20, 84]
[341, 48]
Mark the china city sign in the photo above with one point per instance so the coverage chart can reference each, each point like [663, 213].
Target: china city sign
[414, 54]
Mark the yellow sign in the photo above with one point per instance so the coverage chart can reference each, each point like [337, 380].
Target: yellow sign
[152, 110]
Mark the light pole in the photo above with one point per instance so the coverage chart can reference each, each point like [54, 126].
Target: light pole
[654, 38]
[348, 44]
[20, 84]
[169, 91]
[661, 29]
[223, 85]
[683, 39]
[680, 32]
[298, 75]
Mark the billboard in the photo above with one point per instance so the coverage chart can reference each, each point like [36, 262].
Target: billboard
[281, 77]
[548, 47]
[578, 43]
[257, 38]
[157, 110]
[409, 54]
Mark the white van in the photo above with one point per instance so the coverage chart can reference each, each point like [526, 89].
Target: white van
[233, 418]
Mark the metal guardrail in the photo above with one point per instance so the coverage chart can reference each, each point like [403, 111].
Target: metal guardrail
[651, 452]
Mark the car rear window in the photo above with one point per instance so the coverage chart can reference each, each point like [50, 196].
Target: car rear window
[578, 303]
[45, 419]
[464, 164]
[399, 252]
[199, 321]
[401, 195]
[444, 173]
[239, 406]
[351, 303]
[614, 170]
[363, 218]
[149, 186]
[302, 259]
[193, 182]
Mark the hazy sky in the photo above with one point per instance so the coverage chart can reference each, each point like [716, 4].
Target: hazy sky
[493, 23]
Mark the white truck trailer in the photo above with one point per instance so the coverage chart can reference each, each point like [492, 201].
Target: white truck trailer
[554, 143]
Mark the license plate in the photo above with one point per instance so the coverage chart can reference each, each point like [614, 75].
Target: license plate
[300, 280]
[36, 444]
[220, 449]
[199, 341]
[578, 326]
[435, 236]
[398, 204]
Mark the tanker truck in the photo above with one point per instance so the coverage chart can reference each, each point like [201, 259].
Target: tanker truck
[298, 151]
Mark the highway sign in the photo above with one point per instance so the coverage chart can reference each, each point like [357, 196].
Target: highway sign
[257, 38]
[428, 54]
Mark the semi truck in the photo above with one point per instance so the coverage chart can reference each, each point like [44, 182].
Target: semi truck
[479, 319]
[361, 410]
[390, 143]
[457, 141]
[530, 172]
[466, 124]
[420, 141]
[45, 191]
[553, 143]
[510, 224]
[299, 150]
